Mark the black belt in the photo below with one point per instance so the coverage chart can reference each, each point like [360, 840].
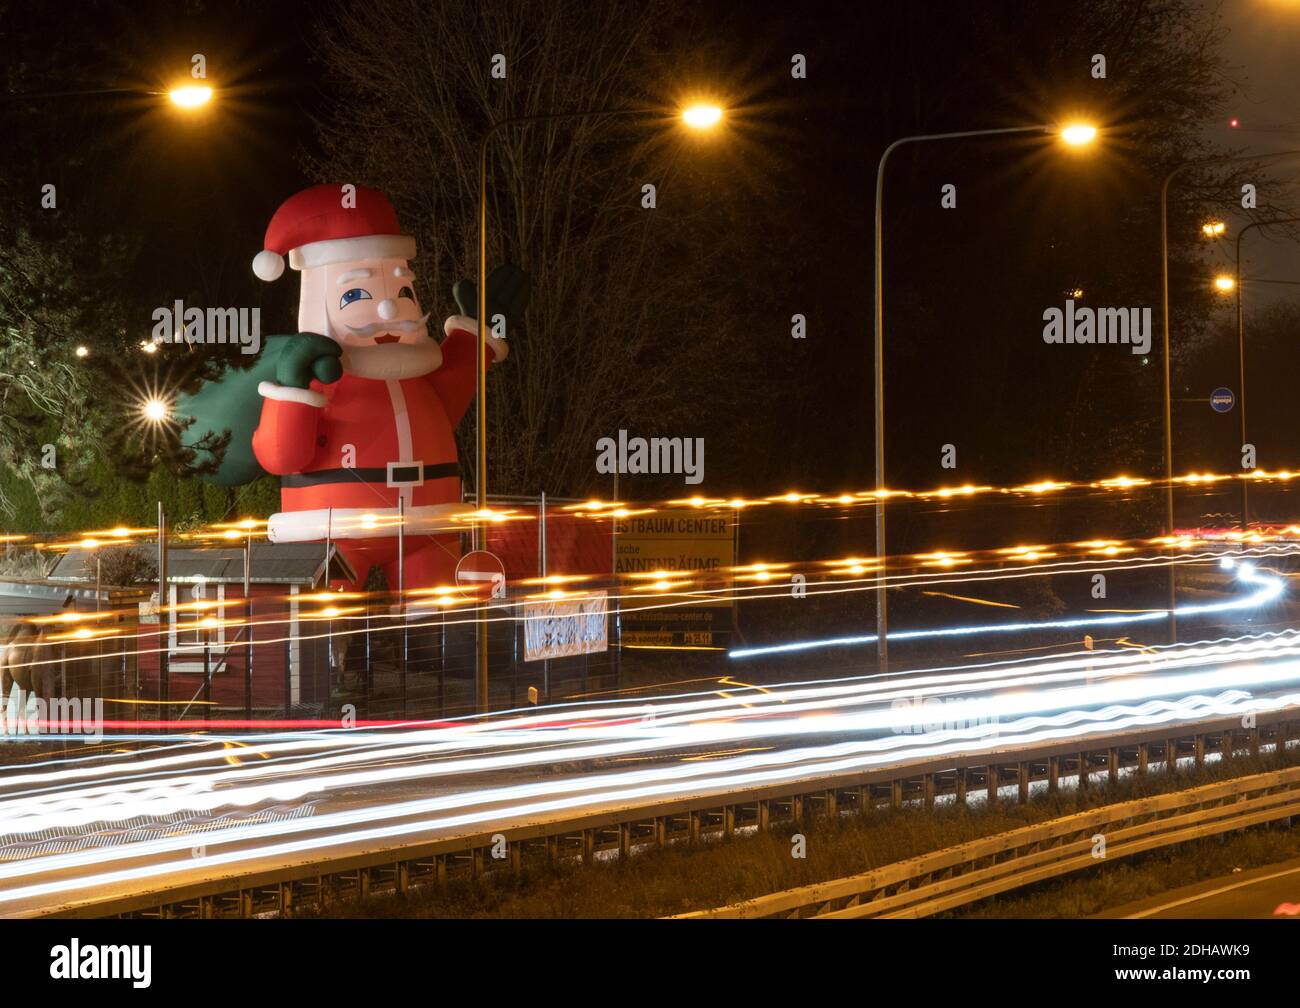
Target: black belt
[416, 472]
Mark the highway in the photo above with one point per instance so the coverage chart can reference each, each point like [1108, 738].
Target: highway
[1258, 893]
[84, 828]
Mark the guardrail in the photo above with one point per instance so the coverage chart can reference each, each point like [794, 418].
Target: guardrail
[626, 831]
[969, 872]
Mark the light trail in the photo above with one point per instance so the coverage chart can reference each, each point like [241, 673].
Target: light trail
[1027, 701]
[486, 769]
[686, 598]
[800, 711]
[743, 771]
[232, 533]
[587, 782]
[1270, 590]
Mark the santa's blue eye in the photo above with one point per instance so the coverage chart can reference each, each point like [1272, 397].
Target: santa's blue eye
[355, 294]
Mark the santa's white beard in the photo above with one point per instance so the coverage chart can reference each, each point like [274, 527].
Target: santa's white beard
[391, 361]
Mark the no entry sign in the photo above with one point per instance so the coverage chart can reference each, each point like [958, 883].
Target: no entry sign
[481, 567]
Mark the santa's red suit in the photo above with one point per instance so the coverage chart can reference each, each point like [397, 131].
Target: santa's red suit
[373, 444]
[399, 436]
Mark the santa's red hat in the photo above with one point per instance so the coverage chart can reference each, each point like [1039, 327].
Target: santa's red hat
[331, 223]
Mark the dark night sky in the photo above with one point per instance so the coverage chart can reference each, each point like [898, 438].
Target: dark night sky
[199, 194]
[1262, 47]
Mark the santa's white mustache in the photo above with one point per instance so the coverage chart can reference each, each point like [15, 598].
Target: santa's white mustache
[408, 325]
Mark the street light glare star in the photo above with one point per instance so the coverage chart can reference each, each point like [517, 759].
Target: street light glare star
[190, 96]
[702, 116]
[1224, 283]
[154, 410]
[1079, 134]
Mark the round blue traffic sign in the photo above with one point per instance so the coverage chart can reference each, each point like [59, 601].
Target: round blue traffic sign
[1222, 400]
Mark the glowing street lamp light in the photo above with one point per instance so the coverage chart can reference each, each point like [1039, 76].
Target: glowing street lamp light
[191, 96]
[1079, 134]
[702, 117]
[1214, 228]
[154, 410]
[1224, 283]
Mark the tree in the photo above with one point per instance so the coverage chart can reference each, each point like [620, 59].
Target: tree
[632, 324]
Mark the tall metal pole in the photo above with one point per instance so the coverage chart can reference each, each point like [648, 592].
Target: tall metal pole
[878, 361]
[1241, 380]
[164, 638]
[401, 590]
[329, 544]
[207, 674]
[541, 564]
[478, 531]
[329, 633]
[480, 411]
[1171, 599]
[1164, 320]
[248, 627]
[99, 643]
[1241, 357]
[614, 593]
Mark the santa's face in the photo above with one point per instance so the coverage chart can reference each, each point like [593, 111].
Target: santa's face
[370, 307]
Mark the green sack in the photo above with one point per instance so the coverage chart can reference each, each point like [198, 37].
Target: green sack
[230, 405]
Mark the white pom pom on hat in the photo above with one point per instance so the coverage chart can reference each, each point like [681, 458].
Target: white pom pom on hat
[268, 265]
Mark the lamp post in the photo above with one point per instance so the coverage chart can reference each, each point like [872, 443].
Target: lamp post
[164, 635]
[248, 627]
[1241, 351]
[186, 96]
[1164, 322]
[1075, 135]
[698, 117]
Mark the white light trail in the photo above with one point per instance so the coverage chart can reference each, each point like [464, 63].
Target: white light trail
[1271, 588]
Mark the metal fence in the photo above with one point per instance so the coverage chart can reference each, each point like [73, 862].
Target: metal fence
[249, 632]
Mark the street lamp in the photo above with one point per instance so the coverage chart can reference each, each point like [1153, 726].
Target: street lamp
[1241, 355]
[154, 410]
[190, 96]
[699, 117]
[1072, 134]
[1164, 319]
[1079, 134]
[1224, 284]
[702, 116]
[1213, 229]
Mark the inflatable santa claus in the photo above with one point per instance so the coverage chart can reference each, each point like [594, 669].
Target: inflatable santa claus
[358, 409]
